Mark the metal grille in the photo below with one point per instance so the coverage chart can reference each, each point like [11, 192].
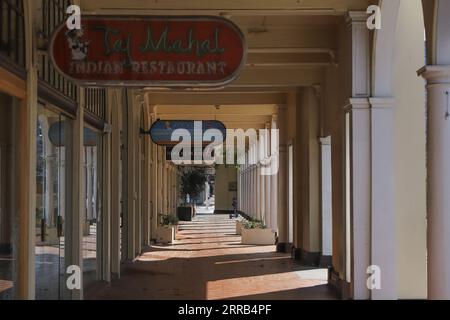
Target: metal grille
[12, 32]
[53, 15]
[95, 102]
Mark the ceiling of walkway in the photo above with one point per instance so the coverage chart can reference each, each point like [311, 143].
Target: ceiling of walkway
[290, 43]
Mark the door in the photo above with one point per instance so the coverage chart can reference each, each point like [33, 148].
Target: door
[52, 203]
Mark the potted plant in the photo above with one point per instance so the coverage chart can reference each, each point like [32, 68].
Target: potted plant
[191, 185]
[166, 232]
[240, 226]
[254, 232]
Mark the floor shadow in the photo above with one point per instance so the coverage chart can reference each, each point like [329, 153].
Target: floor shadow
[219, 269]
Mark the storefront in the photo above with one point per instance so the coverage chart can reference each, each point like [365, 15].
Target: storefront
[12, 105]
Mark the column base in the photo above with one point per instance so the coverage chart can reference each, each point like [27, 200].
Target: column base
[307, 258]
[341, 287]
[223, 211]
[284, 247]
[325, 261]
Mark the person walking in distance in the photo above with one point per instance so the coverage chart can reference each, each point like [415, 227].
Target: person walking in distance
[235, 213]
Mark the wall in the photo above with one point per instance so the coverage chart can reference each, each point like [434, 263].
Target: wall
[308, 172]
[410, 157]
[224, 197]
[6, 105]
[337, 91]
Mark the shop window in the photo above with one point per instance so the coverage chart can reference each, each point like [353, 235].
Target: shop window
[8, 233]
[92, 243]
[53, 184]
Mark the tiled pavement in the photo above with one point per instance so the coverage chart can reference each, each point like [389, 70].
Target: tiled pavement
[209, 262]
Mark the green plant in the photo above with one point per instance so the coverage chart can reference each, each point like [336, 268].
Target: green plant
[169, 220]
[254, 224]
[192, 182]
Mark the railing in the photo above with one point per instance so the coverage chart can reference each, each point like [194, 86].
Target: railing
[12, 34]
[95, 102]
[53, 14]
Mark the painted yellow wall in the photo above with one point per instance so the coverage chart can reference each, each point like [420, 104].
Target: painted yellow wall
[224, 197]
[336, 94]
[308, 174]
[410, 157]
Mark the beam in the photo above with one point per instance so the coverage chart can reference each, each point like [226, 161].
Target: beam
[273, 77]
[237, 110]
[311, 59]
[249, 7]
[215, 98]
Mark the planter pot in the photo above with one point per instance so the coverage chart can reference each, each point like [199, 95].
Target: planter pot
[239, 227]
[86, 229]
[185, 213]
[165, 234]
[258, 236]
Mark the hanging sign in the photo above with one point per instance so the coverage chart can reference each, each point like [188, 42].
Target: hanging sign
[153, 51]
[168, 133]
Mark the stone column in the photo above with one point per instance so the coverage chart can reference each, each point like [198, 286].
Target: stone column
[359, 179]
[116, 209]
[383, 232]
[267, 189]
[326, 198]
[282, 181]
[438, 182]
[356, 239]
[247, 189]
[258, 191]
[274, 157]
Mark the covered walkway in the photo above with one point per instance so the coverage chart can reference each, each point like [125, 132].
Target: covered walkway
[208, 261]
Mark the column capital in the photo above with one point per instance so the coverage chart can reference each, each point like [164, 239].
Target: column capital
[317, 90]
[357, 103]
[325, 141]
[356, 18]
[381, 102]
[435, 74]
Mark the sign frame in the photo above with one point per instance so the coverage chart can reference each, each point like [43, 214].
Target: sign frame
[204, 143]
[165, 84]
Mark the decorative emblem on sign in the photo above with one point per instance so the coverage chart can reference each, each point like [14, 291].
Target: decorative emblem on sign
[150, 51]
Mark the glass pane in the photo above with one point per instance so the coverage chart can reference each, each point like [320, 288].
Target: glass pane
[7, 244]
[92, 155]
[53, 142]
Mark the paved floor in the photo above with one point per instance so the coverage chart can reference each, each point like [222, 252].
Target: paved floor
[209, 262]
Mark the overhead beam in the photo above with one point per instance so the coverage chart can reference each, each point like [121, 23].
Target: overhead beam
[291, 59]
[215, 98]
[247, 7]
[323, 37]
[253, 110]
[277, 77]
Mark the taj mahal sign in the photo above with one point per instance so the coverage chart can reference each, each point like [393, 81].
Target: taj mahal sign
[194, 51]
